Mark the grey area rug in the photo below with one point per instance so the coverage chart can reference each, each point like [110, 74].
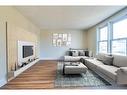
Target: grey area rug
[90, 79]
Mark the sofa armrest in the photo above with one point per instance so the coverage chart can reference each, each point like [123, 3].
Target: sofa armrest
[122, 75]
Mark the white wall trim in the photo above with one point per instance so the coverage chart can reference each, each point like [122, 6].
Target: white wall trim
[3, 81]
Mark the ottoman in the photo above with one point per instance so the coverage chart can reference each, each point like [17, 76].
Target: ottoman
[74, 68]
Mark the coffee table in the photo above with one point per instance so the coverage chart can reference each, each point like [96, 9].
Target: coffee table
[74, 68]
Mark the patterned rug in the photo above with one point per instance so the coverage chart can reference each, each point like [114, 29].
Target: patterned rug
[90, 79]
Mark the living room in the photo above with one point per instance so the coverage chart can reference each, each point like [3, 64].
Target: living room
[39, 46]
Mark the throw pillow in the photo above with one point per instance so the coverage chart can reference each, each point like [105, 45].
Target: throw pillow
[81, 53]
[70, 53]
[74, 53]
[86, 53]
[108, 60]
[100, 56]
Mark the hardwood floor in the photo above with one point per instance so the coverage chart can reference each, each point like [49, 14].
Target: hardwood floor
[39, 76]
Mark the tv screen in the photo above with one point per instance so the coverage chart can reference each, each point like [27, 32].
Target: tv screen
[27, 51]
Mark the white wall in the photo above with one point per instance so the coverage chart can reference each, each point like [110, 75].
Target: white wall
[91, 38]
[3, 72]
[48, 51]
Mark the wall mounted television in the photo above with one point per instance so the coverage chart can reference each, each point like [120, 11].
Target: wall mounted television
[27, 51]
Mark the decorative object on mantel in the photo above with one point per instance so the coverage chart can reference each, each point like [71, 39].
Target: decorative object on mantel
[61, 39]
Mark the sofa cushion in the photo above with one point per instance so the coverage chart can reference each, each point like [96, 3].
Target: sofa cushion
[108, 60]
[73, 58]
[93, 63]
[120, 61]
[110, 71]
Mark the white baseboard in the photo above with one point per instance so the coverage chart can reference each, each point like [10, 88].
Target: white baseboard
[3, 81]
[49, 59]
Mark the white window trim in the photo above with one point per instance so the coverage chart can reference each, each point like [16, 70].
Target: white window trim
[98, 37]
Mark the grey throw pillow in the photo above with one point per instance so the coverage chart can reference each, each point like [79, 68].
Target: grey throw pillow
[86, 53]
[108, 60]
[69, 53]
[74, 53]
[100, 56]
[82, 53]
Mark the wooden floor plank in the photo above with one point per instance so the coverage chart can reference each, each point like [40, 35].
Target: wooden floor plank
[39, 76]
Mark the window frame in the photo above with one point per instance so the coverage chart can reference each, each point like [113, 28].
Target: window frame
[110, 38]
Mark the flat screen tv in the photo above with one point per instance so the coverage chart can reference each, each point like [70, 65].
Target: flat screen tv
[27, 51]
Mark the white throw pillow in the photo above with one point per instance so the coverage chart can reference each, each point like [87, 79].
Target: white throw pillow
[74, 53]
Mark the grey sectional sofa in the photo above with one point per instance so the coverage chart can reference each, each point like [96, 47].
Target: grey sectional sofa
[115, 73]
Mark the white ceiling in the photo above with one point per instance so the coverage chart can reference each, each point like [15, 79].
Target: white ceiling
[67, 17]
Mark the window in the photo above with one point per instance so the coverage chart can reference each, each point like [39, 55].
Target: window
[103, 32]
[119, 29]
[119, 47]
[103, 47]
[115, 40]
[119, 41]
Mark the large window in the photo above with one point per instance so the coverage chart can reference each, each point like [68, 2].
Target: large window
[115, 40]
[119, 43]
